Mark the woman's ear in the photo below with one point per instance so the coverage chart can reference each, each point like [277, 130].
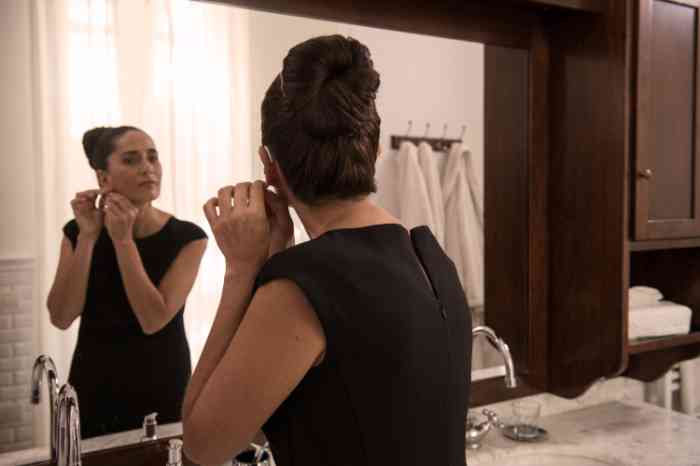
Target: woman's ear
[102, 178]
[268, 165]
[273, 175]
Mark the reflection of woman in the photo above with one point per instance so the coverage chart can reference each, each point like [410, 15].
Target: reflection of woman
[128, 282]
[352, 348]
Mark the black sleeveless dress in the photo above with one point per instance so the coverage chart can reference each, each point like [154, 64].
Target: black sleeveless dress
[120, 373]
[393, 388]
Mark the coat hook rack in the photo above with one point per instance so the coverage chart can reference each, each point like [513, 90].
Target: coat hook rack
[441, 144]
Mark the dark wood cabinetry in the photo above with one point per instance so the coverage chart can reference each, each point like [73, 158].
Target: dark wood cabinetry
[666, 176]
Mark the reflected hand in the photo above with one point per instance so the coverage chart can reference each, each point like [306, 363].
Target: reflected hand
[88, 216]
[281, 226]
[241, 227]
[120, 215]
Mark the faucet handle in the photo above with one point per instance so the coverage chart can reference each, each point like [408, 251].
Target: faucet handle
[492, 418]
[175, 452]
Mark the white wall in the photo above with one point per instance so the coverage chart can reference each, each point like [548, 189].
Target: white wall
[17, 205]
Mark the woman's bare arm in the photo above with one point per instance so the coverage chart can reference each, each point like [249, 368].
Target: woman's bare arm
[252, 379]
[67, 296]
[155, 307]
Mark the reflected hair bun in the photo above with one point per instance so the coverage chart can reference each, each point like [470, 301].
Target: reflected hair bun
[100, 142]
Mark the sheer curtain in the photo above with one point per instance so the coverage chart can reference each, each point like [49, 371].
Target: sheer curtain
[175, 68]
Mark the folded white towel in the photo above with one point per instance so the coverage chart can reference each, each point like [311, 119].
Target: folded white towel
[660, 319]
[644, 296]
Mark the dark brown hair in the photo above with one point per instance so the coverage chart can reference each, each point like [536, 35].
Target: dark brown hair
[320, 122]
[99, 142]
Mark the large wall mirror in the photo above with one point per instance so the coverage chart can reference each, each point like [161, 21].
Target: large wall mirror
[192, 75]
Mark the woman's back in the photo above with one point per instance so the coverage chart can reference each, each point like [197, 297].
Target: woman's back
[393, 385]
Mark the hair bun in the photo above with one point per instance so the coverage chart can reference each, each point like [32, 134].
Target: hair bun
[91, 139]
[332, 83]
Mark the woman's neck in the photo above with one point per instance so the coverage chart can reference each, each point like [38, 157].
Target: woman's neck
[333, 215]
[148, 220]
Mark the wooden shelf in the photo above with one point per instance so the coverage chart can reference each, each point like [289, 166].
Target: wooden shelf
[655, 245]
[662, 343]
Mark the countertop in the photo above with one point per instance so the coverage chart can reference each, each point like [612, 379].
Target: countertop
[617, 433]
[34, 455]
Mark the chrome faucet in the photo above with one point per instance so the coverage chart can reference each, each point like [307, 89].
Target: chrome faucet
[45, 365]
[68, 420]
[476, 431]
[502, 348]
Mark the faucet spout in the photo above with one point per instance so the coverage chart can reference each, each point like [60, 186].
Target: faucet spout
[502, 347]
[69, 453]
[45, 365]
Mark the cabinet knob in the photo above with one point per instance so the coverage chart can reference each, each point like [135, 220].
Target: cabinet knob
[646, 173]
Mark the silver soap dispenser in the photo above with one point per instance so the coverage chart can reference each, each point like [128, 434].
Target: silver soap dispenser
[149, 428]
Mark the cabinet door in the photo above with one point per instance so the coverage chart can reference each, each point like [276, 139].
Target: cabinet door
[667, 169]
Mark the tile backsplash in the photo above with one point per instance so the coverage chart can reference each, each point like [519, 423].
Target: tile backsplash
[16, 350]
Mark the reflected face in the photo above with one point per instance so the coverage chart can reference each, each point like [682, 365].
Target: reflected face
[133, 169]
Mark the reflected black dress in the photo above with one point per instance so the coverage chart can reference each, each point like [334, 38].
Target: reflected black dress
[393, 388]
[120, 373]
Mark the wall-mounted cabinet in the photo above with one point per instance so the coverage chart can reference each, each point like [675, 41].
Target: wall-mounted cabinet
[665, 175]
[666, 172]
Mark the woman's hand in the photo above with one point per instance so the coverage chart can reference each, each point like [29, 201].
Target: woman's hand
[120, 215]
[240, 225]
[281, 226]
[88, 216]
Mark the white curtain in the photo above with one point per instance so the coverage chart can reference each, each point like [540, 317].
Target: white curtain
[177, 69]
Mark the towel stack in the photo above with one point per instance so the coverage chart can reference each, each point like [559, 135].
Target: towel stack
[650, 316]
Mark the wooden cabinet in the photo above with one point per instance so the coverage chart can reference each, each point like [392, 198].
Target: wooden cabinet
[665, 181]
[666, 172]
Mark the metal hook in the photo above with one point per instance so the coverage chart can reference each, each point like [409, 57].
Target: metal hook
[427, 130]
[464, 131]
[444, 131]
[408, 131]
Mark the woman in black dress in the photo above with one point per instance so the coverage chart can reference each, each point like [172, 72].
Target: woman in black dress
[125, 269]
[351, 349]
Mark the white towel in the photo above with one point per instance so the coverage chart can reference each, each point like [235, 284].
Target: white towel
[401, 187]
[464, 235]
[427, 159]
[660, 319]
[644, 296]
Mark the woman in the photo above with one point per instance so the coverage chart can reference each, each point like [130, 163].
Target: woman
[126, 269]
[352, 348]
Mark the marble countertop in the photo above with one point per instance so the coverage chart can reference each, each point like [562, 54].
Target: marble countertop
[616, 433]
[130, 437]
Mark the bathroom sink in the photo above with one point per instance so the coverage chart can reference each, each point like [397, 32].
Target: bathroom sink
[551, 459]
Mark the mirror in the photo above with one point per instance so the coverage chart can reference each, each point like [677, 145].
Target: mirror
[71, 65]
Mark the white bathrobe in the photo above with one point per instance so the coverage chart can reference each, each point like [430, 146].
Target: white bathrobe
[401, 188]
[427, 159]
[464, 234]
